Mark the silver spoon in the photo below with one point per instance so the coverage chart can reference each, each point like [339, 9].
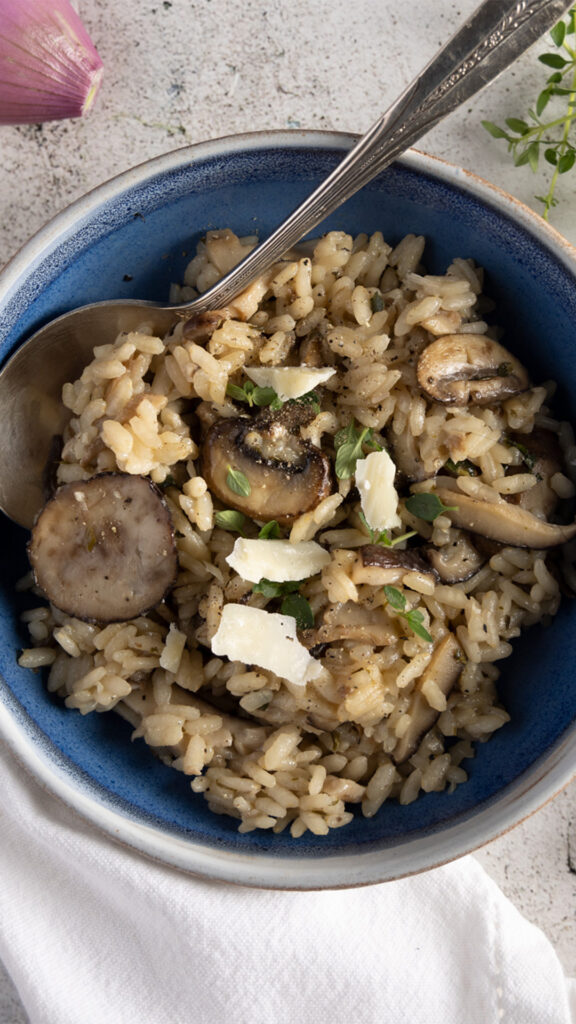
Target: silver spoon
[31, 382]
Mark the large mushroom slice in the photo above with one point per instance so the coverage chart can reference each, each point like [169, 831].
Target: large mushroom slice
[264, 468]
[350, 621]
[379, 566]
[103, 549]
[543, 457]
[457, 561]
[443, 669]
[500, 521]
[461, 368]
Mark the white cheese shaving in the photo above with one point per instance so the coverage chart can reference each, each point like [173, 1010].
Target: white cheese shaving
[378, 498]
[267, 639]
[289, 381]
[277, 560]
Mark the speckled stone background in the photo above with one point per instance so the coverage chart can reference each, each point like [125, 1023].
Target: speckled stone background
[178, 72]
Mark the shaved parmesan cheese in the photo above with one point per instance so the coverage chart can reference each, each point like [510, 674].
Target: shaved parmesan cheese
[378, 497]
[267, 639]
[277, 560]
[289, 381]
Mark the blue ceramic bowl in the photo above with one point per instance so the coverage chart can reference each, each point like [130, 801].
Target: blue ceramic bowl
[129, 239]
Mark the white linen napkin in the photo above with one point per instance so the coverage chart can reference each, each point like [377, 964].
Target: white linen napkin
[93, 933]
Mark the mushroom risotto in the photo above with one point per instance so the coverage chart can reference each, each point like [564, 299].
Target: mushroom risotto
[292, 539]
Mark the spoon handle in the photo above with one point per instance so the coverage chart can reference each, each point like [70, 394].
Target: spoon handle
[489, 41]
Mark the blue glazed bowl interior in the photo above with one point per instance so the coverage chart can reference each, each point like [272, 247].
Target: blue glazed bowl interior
[131, 241]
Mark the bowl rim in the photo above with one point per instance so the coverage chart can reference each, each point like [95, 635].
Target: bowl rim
[535, 787]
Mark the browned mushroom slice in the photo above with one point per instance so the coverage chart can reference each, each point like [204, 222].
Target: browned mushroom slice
[443, 670]
[502, 521]
[200, 327]
[379, 566]
[103, 549]
[461, 368]
[542, 456]
[407, 458]
[264, 468]
[457, 561]
[350, 621]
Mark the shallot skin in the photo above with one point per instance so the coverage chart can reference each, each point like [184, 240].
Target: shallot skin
[49, 67]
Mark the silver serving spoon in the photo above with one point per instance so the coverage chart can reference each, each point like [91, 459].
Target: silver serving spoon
[31, 382]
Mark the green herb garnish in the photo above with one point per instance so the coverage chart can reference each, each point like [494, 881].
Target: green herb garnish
[382, 536]
[427, 506]
[463, 468]
[377, 302]
[349, 444]
[310, 398]
[528, 457]
[238, 482]
[413, 617]
[270, 531]
[269, 588]
[299, 608]
[253, 395]
[229, 519]
[529, 137]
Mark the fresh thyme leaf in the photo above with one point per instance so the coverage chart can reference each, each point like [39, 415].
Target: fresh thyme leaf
[264, 396]
[238, 482]
[230, 519]
[253, 395]
[349, 444]
[463, 468]
[269, 588]
[299, 608]
[233, 391]
[270, 531]
[528, 137]
[414, 618]
[528, 457]
[383, 537]
[427, 506]
[395, 598]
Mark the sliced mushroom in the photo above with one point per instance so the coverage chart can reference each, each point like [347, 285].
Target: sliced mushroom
[282, 475]
[543, 457]
[457, 561]
[379, 566]
[103, 549]
[501, 521]
[407, 457]
[201, 327]
[461, 368]
[443, 669]
[350, 621]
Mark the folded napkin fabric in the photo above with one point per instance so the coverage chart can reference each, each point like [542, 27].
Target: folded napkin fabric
[93, 933]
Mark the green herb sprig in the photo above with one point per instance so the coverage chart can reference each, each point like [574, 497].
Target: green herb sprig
[427, 506]
[238, 482]
[253, 395]
[532, 136]
[293, 603]
[382, 536]
[350, 443]
[414, 618]
[270, 531]
[230, 519]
